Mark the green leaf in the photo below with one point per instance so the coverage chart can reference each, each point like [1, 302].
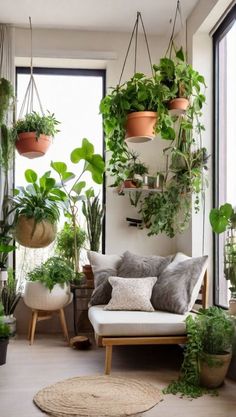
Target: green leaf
[85, 152]
[59, 193]
[96, 166]
[77, 188]
[89, 193]
[218, 221]
[226, 210]
[6, 248]
[59, 167]
[50, 183]
[30, 176]
[180, 54]
[168, 133]
[67, 176]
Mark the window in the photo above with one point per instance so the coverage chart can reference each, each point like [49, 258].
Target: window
[74, 96]
[224, 138]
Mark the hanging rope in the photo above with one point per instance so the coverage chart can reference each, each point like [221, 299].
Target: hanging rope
[31, 90]
[135, 32]
[171, 41]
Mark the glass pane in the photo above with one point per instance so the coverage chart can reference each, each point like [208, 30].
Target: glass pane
[227, 140]
[75, 101]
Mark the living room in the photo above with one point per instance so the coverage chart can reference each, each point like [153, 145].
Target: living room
[154, 208]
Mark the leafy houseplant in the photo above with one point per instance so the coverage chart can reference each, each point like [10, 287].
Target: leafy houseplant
[92, 163]
[33, 133]
[139, 94]
[223, 219]
[6, 97]
[10, 296]
[54, 271]
[207, 354]
[65, 242]
[93, 213]
[36, 210]
[4, 337]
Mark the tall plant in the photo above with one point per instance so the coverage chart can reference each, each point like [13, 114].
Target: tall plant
[93, 212]
[92, 163]
[6, 161]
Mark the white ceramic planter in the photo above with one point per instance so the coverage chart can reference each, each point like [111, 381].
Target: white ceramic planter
[38, 297]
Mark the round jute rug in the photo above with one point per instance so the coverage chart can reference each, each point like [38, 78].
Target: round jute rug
[97, 396]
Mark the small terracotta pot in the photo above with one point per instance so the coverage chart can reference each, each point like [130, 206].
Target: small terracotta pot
[140, 126]
[178, 105]
[129, 184]
[31, 147]
[42, 236]
[88, 272]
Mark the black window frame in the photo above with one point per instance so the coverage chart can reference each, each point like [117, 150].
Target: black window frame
[80, 72]
[221, 31]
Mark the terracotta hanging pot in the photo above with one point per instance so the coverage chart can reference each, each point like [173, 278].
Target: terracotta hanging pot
[140, 126]
[129, 184]
[178, 106]
[34, 235]
[30, 146]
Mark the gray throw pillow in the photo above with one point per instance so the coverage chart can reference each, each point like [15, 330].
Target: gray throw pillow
[175, 285]
[131, 266]
[136, 266]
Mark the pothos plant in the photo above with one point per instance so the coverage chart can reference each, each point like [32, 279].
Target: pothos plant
[72, 185]
[140, 93]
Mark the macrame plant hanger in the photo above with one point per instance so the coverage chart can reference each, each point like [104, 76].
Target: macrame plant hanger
[31, 90]
[137, 137]
[171, 44]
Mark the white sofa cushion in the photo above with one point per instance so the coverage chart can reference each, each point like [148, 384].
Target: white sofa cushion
[136, 323]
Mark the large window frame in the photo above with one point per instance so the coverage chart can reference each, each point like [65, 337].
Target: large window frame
[219, 34]
[75, 72]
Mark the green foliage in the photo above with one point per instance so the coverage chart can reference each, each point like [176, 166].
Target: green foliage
[65, 246]
[54, 271]
[41, 199]
[6, 97]
[10, 296]
[92, 163]
[137, 94]
[211, 331]
[93, 212]
[4, 328]
[34, 122]
[220, 218]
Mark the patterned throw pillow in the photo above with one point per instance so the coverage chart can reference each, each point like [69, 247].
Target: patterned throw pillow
[131, 293]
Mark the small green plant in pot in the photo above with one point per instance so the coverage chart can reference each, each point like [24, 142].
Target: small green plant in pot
[210, 335]
[223, 219]
[33, 134]
[36, 209]
[10, 296]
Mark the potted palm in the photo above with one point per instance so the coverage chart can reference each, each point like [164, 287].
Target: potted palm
[36, 210]
[4, 337]
[33, 134]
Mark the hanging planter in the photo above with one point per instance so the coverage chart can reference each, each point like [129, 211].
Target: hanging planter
[33, 131]
[140, 126]
[178, 106]
[30, 234]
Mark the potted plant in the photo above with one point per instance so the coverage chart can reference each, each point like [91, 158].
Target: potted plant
[4, 337]
[180, 92]
[36, 210]
[72, 194]
[207, 353]
[10, 296]
[48, 285]
[33, 134]
[223, 219]
[65, 243]
[135, 172]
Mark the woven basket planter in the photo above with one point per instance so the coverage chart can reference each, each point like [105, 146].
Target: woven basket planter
[34, 235]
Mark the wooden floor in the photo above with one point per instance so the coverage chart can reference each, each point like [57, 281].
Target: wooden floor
[29, 368]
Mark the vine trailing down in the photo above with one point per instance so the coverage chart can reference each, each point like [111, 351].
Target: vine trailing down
[169, 210]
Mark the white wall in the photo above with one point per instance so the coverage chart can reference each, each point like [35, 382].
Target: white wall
[107, 50]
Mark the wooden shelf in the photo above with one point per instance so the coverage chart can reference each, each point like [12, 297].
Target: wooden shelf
[142, 190]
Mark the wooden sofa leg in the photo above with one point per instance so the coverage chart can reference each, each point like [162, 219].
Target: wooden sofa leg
[108, 359]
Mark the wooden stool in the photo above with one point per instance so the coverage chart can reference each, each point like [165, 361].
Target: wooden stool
[39, 315]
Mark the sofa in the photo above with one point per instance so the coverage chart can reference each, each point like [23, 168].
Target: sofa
[116, 327]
